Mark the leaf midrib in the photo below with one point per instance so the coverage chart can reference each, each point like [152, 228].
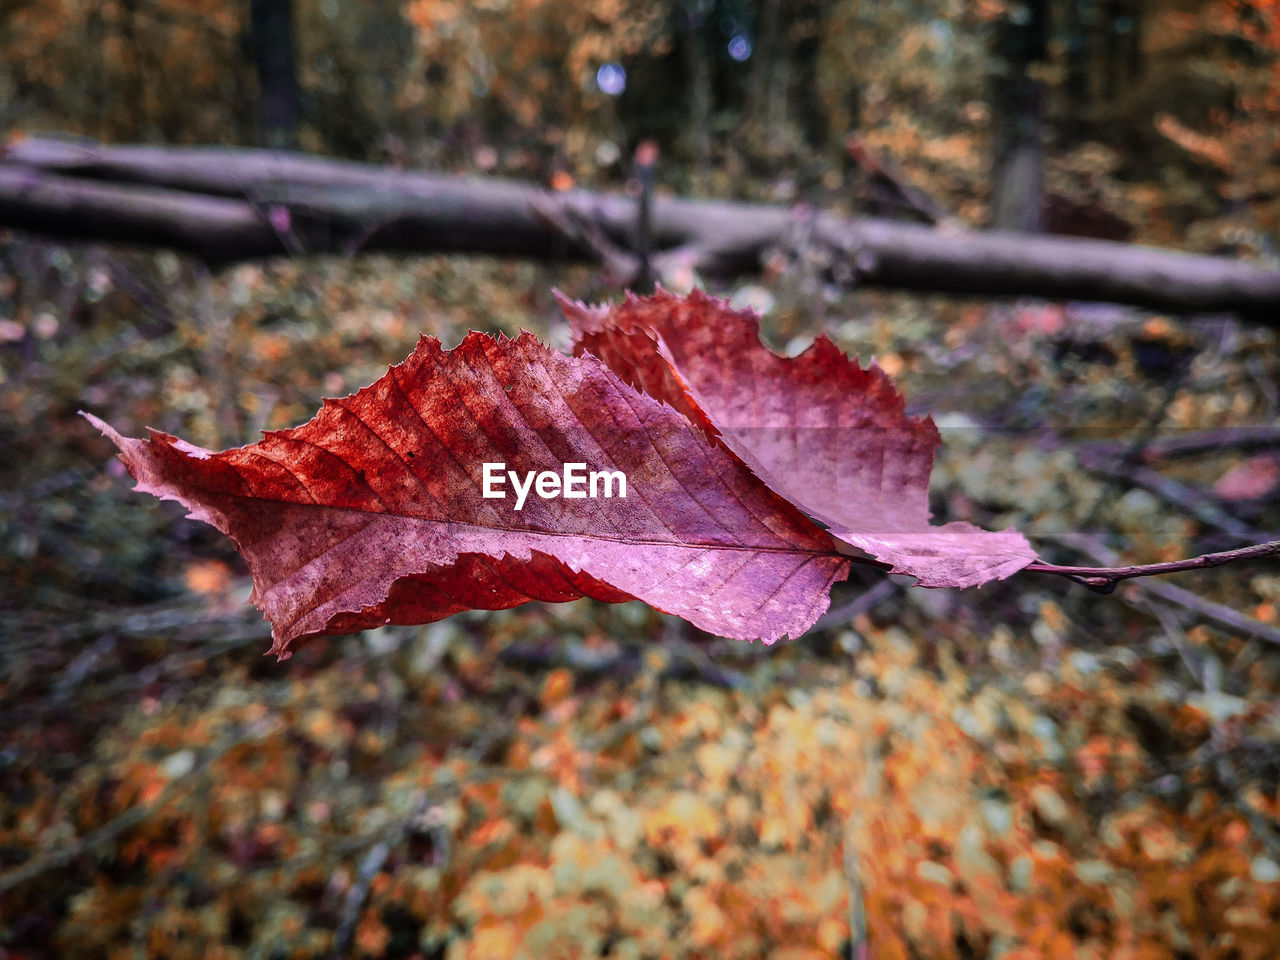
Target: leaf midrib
[544, 533]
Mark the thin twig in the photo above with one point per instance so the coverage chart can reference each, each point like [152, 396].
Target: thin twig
[1145, 434]
[864, 602]
[869, 788]
[1174, 633]
[357, 895]
[1105, 578]
[169, 618]
[1202, 506]
[1250, 438]
[857, 908]
[621, 265]
[1217, 613]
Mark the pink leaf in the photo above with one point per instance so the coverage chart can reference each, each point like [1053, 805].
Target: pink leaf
[830, 436]
[1251, 479]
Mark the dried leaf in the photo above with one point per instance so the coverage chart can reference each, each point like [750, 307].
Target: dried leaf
[373, 512]
[1251, 479]
[831, 437]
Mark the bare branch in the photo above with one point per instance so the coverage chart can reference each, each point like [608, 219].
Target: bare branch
[902, 190]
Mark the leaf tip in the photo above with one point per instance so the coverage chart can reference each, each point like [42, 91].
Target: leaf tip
[103, 427]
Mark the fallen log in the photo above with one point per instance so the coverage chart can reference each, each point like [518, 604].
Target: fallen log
[226, 205]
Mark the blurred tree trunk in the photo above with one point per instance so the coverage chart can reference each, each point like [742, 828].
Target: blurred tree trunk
[1079, 24]
[95, 35]
[1021, 41]
[133, 87]
[766, 97]
[1122, 49]
[808, 22]
[699, 73]
[1137, 17]
[271, 44]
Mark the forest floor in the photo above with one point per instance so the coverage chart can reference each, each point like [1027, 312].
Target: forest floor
[1025, 770]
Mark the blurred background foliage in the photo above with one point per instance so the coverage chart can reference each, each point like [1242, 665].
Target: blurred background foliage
[746, 98]
[1022, 771]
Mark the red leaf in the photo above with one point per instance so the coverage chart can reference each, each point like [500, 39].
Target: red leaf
[373, 511]
[831, 437]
